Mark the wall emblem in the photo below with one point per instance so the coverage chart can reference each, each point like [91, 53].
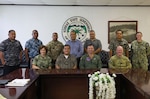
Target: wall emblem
[80, 25]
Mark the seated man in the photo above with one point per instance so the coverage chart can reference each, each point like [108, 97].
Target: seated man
[119, 60]
[66, 60]
[90, 60]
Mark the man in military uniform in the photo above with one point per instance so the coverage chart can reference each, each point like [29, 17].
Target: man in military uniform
[66, 60]
[95, 42]
[119, 41]
[10, 53]
[55, 48]
[119, 60]
[140, 50]
[90, 60]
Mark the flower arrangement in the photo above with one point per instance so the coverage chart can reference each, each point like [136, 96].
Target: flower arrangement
[104, 85]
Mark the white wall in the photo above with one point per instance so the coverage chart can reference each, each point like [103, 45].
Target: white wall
[49, 19]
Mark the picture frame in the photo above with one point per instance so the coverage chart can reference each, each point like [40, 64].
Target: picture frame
[129, 29]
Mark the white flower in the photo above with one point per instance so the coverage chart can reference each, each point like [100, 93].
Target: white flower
[89, 75]
[96, 84]
[95, 78]
[104, 85]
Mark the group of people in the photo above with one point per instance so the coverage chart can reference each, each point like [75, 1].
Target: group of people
[119, 48]
[68, 56]
[72, 55]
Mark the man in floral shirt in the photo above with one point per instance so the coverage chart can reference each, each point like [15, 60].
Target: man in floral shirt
[32, 46]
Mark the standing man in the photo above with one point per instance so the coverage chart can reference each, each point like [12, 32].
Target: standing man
[10, 53]
[140, 50]
[119, 41]
[119, 61]
[90, 60]
[32, 47]
[95, 42]
[66, 60]
[55, 48]
[76, 46]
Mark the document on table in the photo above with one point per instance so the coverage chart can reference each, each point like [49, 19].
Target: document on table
[18, 82]
[2, 97]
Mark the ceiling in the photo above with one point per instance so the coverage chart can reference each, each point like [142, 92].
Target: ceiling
[77, 2]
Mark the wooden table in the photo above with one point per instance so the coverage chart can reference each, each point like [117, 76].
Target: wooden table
[73, 84]
[28, 91]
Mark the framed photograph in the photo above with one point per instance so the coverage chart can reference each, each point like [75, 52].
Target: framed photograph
[129, 29]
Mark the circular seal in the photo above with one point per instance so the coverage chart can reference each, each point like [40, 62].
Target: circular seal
[78, 24]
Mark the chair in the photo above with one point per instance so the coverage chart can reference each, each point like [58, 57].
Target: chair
[1, 69]
[148, 62]
[130, 55]
[23, 64]
[104, 58]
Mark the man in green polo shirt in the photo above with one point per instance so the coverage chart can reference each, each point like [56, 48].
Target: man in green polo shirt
[90, 60]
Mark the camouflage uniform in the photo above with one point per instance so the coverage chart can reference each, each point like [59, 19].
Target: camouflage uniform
[114, 43]
[87, 63]
[119, 62]
[140, 51]
[11, 50]
[66, 63]
[42, 62]
[54, 49]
